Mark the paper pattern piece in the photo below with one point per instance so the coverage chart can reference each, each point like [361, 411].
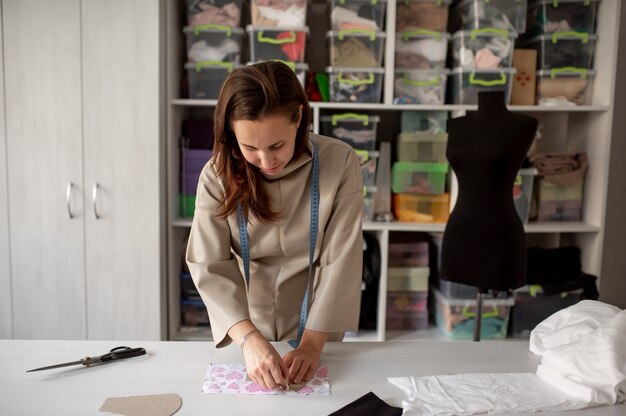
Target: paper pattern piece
[153, 405]
[233, 379]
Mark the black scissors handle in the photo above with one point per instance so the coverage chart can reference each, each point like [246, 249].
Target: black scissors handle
[117, 353]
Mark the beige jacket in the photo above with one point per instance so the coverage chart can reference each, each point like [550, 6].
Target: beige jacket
[279, 252]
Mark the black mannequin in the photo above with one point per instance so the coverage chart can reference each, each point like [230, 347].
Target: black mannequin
[484, 242]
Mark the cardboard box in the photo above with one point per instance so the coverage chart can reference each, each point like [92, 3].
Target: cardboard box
[525, 80]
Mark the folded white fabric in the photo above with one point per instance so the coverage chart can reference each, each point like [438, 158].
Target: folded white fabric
[583, 351]
[469, 394]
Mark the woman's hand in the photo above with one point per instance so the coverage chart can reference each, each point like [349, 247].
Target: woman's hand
[302, 363]
[264, 364]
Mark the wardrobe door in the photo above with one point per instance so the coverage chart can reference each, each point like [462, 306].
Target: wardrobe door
[44, 153]
[122, 116]
[5, 272]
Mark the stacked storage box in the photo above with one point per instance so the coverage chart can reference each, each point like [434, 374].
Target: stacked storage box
[407, 286]
[563, 33]
[359, 131]
[356, 44]
[559, 202]
[214, 41]
[420, 52]
[279, 33]
[196, 150]
[484, 33]
[418, 178]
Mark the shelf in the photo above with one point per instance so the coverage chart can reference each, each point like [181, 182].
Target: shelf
[399, 107]
[533, 227]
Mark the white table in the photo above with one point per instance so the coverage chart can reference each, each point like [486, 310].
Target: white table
[180, 367]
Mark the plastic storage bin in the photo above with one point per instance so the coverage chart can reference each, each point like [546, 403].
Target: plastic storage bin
[559, 211]
[422, 14]
[408, 254]
[487, 48]
[278, 13]
[549, 16]
[421, 49]
[186, 205]
[420, 86]
[550, 192]
[368, 202]
[533, 306]
[565, 86]
[424, 121]
[206, 78]
[419, 178]
[356, 48]
[422, 147]
[523, 192]
[356, 85]
[464, 85]
[194, 312]
[213, 43]
[301, 69]
[188, 288]
[368, 159]
[192, 163]
[407, 279]
[277, 44]
[407, 310]
[358, 130]
[456, 317]
[216, 12]
[457, 290]
[479, 14]
[357, 14]
[421, 208]
[565, 49]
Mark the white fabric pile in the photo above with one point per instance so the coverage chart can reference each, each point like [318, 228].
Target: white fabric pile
[583, 364]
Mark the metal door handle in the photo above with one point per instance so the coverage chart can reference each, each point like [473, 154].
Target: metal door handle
[94, 198]
[68, 199]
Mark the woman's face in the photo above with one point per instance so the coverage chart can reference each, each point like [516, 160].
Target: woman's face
[268, 143]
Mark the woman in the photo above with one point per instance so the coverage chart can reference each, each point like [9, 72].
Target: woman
[267, 186]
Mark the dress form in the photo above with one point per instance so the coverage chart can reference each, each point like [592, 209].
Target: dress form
[484, 242]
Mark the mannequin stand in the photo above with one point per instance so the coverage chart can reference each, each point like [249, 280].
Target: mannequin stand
[479, 315]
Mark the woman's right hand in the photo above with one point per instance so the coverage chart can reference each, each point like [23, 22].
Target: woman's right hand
[265, 366]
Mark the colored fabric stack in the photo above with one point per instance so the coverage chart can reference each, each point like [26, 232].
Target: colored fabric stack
[196, 151]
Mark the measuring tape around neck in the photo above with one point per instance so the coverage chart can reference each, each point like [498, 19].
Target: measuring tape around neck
[245, 248]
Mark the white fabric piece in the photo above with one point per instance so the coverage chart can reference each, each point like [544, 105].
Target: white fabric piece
[556, 102]
[341, 15]
[469, 394]
[293, 16]
[432, 49]
[466, 57]
[583, 350]
[201, 51]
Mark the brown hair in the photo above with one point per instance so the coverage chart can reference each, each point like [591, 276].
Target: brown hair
[252, 93]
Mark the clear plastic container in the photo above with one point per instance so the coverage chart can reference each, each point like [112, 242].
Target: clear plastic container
[408, 279]
[479, 14]
[194, 312]
[523, 192]
[216, 12]
[414, 321]
[413, 254]
[301, 69]
[424, 121]
[422, 14]
[549, 16]
[420, 86]
[422, 147]
[206, 78]
[419, 178]
[213, 43]
[358, 130]
[421, 49]
[357, 14]
[559, 210]
[464, 85]
[565, 49]
[368, 159]
[532, 306]
[407, 310]
[355, 85]
[565, 86]
[272, 43]
[550, 192]
[356, 48]
[369, 192]
[457, 290]
[278, 13]
[186, 205]
[487, 48]
[421, 208]
[456, 317]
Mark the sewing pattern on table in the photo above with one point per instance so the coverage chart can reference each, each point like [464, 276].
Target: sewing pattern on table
[233, 379]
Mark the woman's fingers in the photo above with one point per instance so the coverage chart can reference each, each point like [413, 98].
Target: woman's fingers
[310, 373]
[278, 377]
[304, 367]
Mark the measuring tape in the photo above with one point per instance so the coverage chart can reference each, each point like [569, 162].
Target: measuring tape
[245, 248]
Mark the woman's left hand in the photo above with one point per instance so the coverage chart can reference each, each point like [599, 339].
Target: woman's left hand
[302, 362]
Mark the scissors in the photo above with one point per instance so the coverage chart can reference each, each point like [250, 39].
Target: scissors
[117, 353]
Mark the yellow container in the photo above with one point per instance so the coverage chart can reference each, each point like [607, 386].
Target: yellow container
[422, 208]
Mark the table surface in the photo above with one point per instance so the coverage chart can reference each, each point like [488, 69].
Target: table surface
[180, 367]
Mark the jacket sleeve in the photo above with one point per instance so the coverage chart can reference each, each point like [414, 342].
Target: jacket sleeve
[337, 285]
[214, 269]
